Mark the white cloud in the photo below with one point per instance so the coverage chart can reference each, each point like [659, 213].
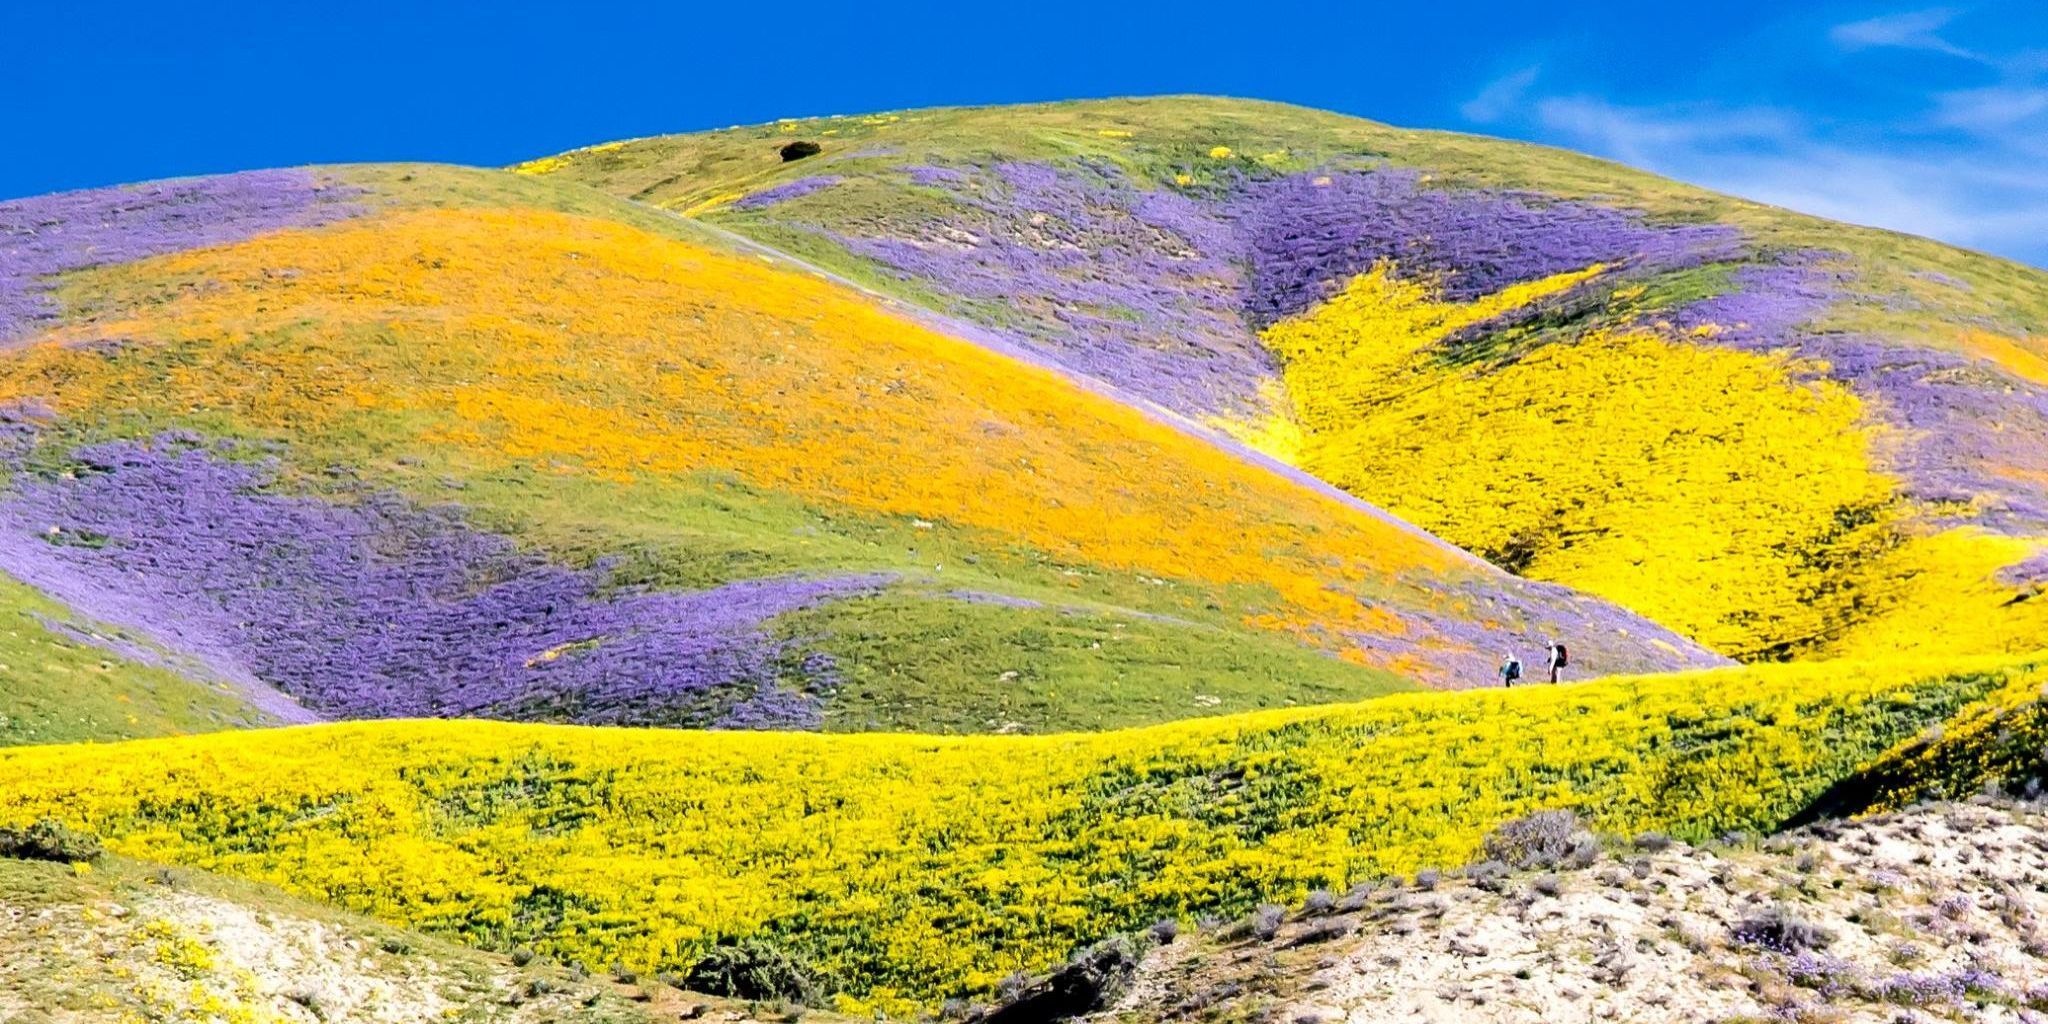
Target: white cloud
[1908, 30]
[1985, 197]
[1968, 165]
[1500, 97]
[1639, 135]
[1980, 207]
[1992, 109]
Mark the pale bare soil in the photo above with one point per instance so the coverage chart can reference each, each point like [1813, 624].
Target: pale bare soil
[1933, 914]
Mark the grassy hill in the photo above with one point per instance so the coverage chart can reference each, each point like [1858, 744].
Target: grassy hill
[408, 440]
[63, 679]
[1782, 437]
[906, 869]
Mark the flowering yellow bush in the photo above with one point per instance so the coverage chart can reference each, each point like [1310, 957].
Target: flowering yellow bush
[1943, 595]
[917, 867]
[1713, 490]
[1219, 153]
[179, 950]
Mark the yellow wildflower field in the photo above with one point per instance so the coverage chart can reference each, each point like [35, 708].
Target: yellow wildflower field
[913, 868]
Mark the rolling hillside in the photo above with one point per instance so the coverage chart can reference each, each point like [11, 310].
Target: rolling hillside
[426, 441]
[906, 869]
[1779, 436]
[1199, 437]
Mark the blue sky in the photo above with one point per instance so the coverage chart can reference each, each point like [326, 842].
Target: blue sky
[1928, 119]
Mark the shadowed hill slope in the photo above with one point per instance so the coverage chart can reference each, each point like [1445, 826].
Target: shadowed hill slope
[1780, 436]
[418, 441]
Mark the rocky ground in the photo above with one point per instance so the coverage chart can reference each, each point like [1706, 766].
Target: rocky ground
[122, 941]
[1931, 914]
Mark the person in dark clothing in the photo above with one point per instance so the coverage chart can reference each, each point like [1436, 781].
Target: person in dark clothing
[1510, 670]
[1559, 658]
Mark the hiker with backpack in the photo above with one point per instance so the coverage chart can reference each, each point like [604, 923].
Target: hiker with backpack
[1559, 658]
[1510, 670]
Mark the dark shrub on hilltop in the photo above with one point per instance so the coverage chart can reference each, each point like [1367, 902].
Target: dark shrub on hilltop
[758, 970]
[49, 840]
[799, 149]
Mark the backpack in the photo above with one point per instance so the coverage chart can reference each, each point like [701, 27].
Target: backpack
[1513, 671]
[1564, 657]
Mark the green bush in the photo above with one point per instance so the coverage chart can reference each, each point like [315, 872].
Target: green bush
[49, 840]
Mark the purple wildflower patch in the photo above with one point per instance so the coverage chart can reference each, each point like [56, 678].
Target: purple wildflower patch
[1940, 278]
[1307, 235]
[2031, 573]
[925, 174]
[1159, 293]
[1112, 282]
[1831, 976]
[1767, 302]
[1937, 989]
[1970, 435]
[51, 234]
[787, 191]
[1471, 626]
[379, 608]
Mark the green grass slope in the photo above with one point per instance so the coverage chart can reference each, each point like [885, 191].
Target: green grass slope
[912, 662]
[63, 680]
